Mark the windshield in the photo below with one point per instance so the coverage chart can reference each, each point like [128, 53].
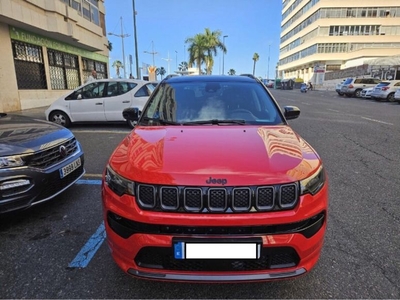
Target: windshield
[211, 103]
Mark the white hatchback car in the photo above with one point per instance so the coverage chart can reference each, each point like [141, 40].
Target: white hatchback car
[100, 101]
[385, 90]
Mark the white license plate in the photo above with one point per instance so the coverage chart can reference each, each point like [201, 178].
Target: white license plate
[185, 250]
[68, 169]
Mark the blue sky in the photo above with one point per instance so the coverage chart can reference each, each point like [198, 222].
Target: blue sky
[251, 26]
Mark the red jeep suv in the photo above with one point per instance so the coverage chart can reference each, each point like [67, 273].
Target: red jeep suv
[213, 185]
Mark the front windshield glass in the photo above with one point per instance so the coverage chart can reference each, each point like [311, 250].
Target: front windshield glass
[188, 103]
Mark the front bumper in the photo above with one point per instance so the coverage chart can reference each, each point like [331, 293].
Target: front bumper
[44, 184]
[142, 242]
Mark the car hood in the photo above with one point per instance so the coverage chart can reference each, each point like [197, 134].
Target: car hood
[195, 155]
[22, 135]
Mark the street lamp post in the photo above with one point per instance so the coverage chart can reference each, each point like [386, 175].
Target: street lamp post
[269, 52]
[176, 62]
[168, 60]
[223, 54]
[122, 36]
[152, 52]
[138, 76]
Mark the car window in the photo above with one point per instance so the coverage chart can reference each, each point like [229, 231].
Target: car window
[89, 91]
[348, 81]
[358, 81]
[397, 84]
[117, 88]
[145, 90]
[383, 84]
[198, 101]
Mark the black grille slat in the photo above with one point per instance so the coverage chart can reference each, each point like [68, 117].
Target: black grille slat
[288, 195]
[169, 198]
[52, 156]
[217, 199]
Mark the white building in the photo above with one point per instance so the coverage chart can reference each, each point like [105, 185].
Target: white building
[319, 36]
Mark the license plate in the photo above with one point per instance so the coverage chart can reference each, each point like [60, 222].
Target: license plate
[184, 250]
[68, 169]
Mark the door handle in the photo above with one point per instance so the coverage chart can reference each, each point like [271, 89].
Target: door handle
[99, 103]
[125, 101]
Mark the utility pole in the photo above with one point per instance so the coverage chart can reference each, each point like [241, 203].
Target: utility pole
[122, 36]
[223, 54]
[269, 52]
[176, 62]
[168, 60]
[138, 75]
[152, 52]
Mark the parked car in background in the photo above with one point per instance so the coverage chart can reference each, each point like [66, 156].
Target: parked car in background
[38, 161]
[353, 87]
[386, 90]
[366, 93]
[397, 95]
[100, 101]
[339, 87]
[253, 209]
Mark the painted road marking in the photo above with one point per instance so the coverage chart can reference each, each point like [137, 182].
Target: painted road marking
[89, 181]
[333, 110]
[305, 103]
[373, 120]
[84, 256]
[93, 175]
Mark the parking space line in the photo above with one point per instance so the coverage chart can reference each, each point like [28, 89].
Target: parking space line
[89, 181]
[87, 252]
[93, 175]
[333, 110]
[373, 120]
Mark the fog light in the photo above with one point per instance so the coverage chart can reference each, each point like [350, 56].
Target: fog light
[14, 184]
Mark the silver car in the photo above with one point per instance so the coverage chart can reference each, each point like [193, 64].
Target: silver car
[385, 90]
[397, 95]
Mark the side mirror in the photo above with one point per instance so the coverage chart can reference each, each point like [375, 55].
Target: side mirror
[131, 114]
[79, 97]
[291, 112]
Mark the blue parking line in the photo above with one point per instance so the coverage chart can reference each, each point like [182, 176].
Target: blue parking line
[89, 181]
[89, 249]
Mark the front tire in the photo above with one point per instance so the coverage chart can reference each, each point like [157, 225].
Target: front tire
[358, 93]
[60, 118]
[390, 97]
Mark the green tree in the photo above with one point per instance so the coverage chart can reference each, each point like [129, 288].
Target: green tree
[256, 57]
[231, 72]
[183, 66]
[213, 43]
[197, 49]
[162, 72]
[117, 65]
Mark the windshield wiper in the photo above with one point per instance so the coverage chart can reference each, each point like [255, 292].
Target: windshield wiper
[161, 121]
[215, 122]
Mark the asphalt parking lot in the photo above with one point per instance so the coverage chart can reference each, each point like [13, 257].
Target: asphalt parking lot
[57, 249]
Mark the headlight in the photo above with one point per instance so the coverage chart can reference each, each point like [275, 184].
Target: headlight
[11, 161]
[118, 184]
[313, 183]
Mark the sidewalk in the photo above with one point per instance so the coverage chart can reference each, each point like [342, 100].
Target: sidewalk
[37, 112]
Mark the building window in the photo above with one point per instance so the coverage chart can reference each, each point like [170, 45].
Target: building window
[29, 66]
[88, 65]
[64, 70]
[89, 9]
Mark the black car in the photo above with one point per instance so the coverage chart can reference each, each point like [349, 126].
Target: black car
[38, 161]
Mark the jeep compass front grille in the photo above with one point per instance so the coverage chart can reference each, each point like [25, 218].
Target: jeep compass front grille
[217, 200]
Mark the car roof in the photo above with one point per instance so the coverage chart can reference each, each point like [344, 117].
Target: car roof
[208, 78]
[122, 79]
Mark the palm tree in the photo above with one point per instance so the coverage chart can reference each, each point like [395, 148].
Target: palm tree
[213, 43]
[183, 66]
[162, 72]
[197, 49]
[117, 65]
[256, 57]
[231, 72]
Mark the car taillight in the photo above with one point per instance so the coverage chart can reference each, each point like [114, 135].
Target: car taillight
[351, 86]
[385, 88]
